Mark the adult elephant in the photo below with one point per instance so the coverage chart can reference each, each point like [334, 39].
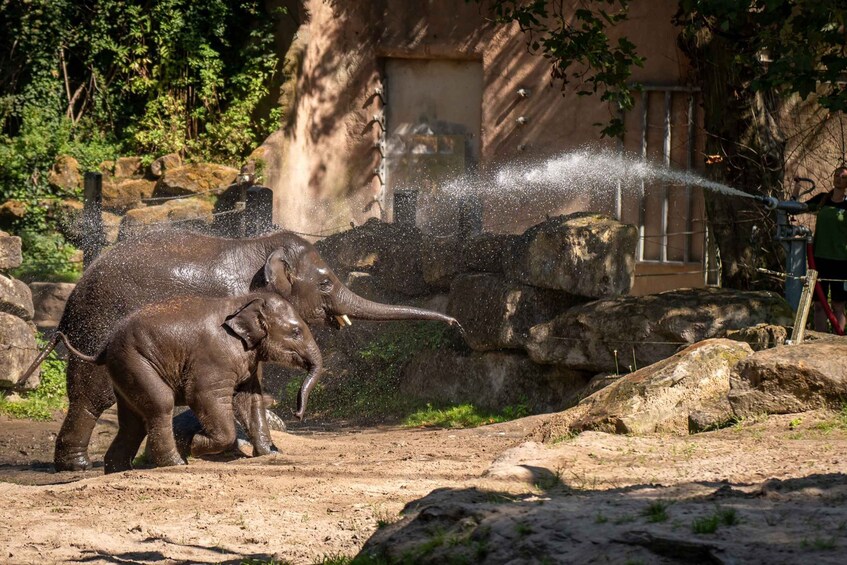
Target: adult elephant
[166, 264]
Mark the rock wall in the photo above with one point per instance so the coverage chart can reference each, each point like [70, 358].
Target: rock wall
[18, 347]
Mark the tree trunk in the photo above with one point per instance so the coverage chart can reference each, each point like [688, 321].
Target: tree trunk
[742, 133]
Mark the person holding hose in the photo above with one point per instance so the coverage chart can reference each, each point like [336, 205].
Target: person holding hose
[830, 246]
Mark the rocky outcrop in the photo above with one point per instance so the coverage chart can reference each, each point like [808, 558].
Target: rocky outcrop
[391, 253]
[497, 314]
[791, 379]
[659, 398]
[165, 163]
[626, 333]
[188, 212]
[65, 174]
[196, 178]
[120, 195]
[583, 254]
[18, 347]
[10, 251]
[490, 381]
[49, 302]
[487, 252]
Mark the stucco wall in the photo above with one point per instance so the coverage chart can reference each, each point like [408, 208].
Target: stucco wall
[321, 167]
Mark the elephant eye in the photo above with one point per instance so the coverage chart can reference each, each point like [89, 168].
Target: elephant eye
[297, 332]
[325, 285]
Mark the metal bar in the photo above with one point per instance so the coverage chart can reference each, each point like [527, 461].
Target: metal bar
[645, 99]
[689, 204]
[666, 152]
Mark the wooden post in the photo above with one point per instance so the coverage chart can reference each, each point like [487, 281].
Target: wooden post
[94, 238]
[802, 315]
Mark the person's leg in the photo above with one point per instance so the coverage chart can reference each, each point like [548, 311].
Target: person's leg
[838, 294]
[838, 310]
[821, 319]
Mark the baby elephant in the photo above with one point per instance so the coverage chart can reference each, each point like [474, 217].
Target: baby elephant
[198, 351]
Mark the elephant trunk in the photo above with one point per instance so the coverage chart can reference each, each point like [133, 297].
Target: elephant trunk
[353, 305]
[314, 361]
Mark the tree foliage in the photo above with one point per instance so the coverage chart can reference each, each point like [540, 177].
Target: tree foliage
[573, 36]
[786, 46]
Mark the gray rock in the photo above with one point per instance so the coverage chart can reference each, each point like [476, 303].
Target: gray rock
[65, 174]
[761, 336]
[486, 252]
[15, 298]
[584, 253]
[189, 212]
[490, 381]
[10, 251]
[617, 334]
[441, 260]
[17, 351]
[390, 253]
[791, 379]
[661, 397]
[497, 314]
[49, 301]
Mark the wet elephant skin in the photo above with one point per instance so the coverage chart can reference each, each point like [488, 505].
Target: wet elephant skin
[161, 265]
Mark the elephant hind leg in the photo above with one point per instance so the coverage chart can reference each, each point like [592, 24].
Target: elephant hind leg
[131, 432]
[89, 395]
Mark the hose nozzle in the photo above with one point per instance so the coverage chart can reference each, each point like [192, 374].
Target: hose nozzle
[790, 206]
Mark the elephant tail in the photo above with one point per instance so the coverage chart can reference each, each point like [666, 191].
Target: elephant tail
[74, 350]
[51, 345]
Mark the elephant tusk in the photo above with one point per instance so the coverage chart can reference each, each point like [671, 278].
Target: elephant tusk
[343, 320]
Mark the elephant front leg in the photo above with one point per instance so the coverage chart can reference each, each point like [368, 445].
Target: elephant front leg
[216, 415]
[249, 405]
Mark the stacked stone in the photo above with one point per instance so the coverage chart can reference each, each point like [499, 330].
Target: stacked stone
[18, 347]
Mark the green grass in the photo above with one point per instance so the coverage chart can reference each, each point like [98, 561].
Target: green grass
[721, 517]
[837, 422]
[656, 512]
[50, 396]
[461, 416]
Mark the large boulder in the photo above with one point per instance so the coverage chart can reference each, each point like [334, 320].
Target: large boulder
[65, 174]
[165, 163]
[18, 350]
[584, 253]
[441, 260]
[10, 251]
[487, 252]
[497, 314]
[15, 298]
[391, 253]
[490, 381]
[188, 212]
[791, 379]
[122, 194]
[197, 178]
[660, 398]
[630, 332]
[11, 212]
[49, 300]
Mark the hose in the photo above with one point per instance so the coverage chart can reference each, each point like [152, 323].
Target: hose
[810, 255]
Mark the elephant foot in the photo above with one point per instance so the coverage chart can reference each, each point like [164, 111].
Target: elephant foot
[113, 467]
[259, 450]
[171, 459]
[78, 462]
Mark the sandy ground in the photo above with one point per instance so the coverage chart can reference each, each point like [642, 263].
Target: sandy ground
[332, 488]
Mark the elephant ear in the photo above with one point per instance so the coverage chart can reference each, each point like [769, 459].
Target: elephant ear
[248, 323]
[278, 273]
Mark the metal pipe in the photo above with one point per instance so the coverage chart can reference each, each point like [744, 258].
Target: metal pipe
[666, 152]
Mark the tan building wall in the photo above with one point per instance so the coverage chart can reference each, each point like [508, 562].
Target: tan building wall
[322, 167]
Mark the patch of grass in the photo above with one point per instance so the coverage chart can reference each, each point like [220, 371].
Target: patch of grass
[251, 561]
[657, 511]
[50, 396]
[837, 422]
[821, 544]
[566, 436]
[523, 529]
[461, 416]
[600, 519]
[721, 517]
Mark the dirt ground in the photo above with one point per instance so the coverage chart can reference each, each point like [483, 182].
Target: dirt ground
[332, 488]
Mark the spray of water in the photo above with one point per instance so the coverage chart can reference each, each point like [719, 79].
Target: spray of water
[584, 171]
